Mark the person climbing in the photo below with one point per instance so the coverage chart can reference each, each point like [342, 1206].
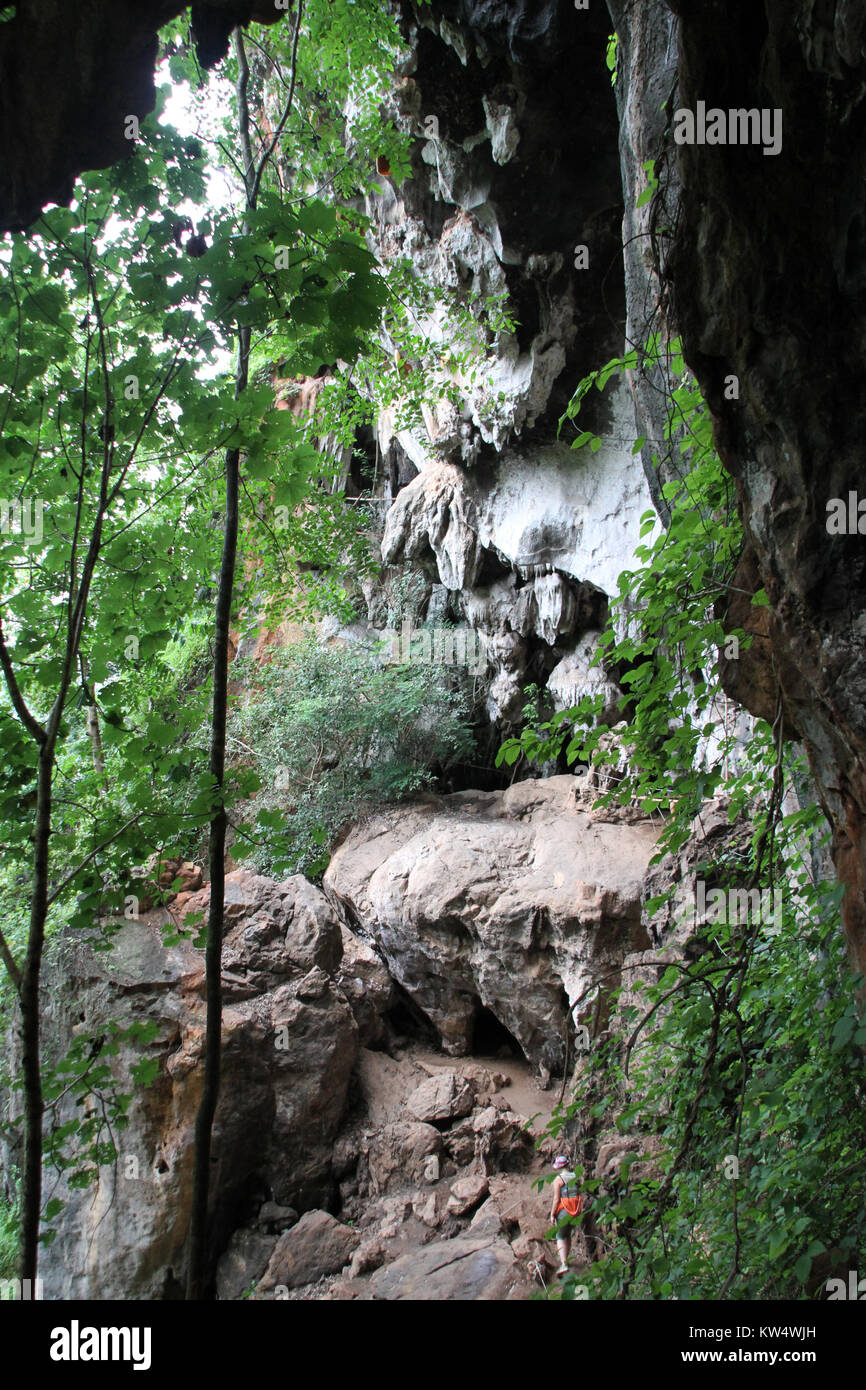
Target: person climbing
[567, 1203]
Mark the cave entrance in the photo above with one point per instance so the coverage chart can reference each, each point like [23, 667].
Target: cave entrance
[407, 1023]
[492, 1040]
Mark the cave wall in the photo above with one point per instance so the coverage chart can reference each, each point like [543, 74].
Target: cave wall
[71, 75]
[646, 77]
[512, 532]
[768, 282]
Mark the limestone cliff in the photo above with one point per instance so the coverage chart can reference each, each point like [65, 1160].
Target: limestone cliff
[459, 942]
[769, 283]
[513, 172]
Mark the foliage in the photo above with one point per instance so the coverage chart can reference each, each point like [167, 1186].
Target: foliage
[116, 407]
[115, 339]
[612, 57]
[8, 1238]
[436, 344]
[738, 1065]
[663, 634]
[746, 1065]
[329, 731]
[404, 594]
[85, 1108]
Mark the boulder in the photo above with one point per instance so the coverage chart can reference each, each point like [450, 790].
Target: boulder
[319, 1245]
[369, 1256]
[289, 1047]
[467, 1192]
[516, 901]
[494, 1138]
[286, 927]
[244, 1263]
[397, 1151]
[467, 1268]
[443, 1097]
[273, 1217]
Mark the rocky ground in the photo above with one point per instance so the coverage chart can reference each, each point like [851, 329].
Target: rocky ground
[438, 1201]
[349, 1146]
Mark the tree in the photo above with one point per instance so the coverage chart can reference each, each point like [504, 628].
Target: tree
[270, 242]
[119, 312]
[86, 406]
[112, 418]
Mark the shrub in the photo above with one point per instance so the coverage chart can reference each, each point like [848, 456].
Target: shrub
[331, 732]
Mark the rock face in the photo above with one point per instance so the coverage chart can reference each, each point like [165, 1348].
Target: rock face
[62, 116]
[513, 902]
[290, 1042]
[646, 61]
[511, 531]
[511, 906]
[769, 284]
[417, 1155]
[317, 1246]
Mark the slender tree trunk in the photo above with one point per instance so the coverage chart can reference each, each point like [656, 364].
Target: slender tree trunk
[95, 741]
[197, 1268]
[31, 1182]
[197, 1253]
[92, 716]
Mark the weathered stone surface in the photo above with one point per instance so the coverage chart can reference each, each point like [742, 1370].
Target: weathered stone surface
[273, 1217]
[286, 926]
[577, 511]
[646, 76]
[575, 677]
[467, 1192]
[768, 278]
[317, 1246]
[366, 984]
[396, 1151]
[480, 1269]
[435, 514]
[243, 1263]
[286, 1062]
[369, 1256]
[501, 512]
[512, 900]
[442, 1097]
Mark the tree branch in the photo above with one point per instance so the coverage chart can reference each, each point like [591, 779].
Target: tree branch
[64, 882]
[9, 961]
[32, 725]
[285, 116]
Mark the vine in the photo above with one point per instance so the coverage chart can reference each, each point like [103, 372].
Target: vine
[728, 1077]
